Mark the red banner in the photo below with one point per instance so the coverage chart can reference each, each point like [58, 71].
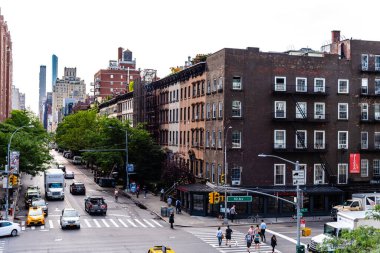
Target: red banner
[355, 163]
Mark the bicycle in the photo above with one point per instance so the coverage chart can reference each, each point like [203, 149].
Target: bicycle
[255, 218]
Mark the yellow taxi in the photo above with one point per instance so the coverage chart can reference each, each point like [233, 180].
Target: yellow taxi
[161, 249]
[35, 216]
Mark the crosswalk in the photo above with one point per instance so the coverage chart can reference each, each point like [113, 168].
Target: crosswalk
[2, 244]
[238, 244]
[100, 223]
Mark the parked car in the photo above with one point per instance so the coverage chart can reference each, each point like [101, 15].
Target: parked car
[77, 160]
[41, 203]
[95, 204]
[69, 218]
[30, 195]
[67, 154]
[9, 228]
[62, 167]
[69, 174]
[78, 188]
[35, 216]
[160, 249]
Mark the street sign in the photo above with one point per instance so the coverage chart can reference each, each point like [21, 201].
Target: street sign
[304, 210]
[298, 181]
[298, 177]
[239, 198]
[131, 167]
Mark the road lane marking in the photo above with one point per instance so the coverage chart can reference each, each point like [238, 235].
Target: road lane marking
[59, 223]
[122, 222]
[105, 223]
[143, 225]
[51, 225]
[284, 237]
[96, 223]
[147, 222]
[87, 223]
[114, 223]
[131, 222]
[158, 224]
[33, 227]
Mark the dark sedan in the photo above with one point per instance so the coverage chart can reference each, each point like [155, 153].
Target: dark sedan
[77, 188]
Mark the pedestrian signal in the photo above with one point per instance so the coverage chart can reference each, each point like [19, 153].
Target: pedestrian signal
[216, 197]
[211, 198]
[14, 180]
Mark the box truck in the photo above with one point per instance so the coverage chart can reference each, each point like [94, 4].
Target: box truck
[54, 182]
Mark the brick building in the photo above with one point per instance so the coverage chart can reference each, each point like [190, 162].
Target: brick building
[5, 70]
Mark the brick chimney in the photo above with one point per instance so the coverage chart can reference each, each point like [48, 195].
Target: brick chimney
[335, 36]
[120, 54]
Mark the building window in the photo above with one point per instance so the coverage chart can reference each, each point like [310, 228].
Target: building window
[364, 61]
[319, 174]
[236, 175]
[215, 86]
[280, 109]
[220, 84]
[219, 174]
[377, 62]
[213, 110]
[364, 111]
[236, 139]
[280, 83]
[213, 172]
[364, 140]
[342, 111]
[301, 84]
[207, 171]
[301, 139]
[376, 167]
[364, 88]
[208, 112]
[319, 111]
[319, 85]
[319, 139]
[219, 139]
[279, 174]
[377, 86]
[279, 139]
[377, 111]
[301, 110]
[236, 83]
[342, 139]
[377, 140]
[194, 90]
[220, 110]
[236, 108]
[207, 138]
[208, 87]
[213, 139]
[342, 173]
[343, 86]
[111, 76]
[364, 167]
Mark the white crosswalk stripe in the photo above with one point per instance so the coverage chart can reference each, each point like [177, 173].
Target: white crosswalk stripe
[51, 225]
[105, 223]
[131, 222]
[96, 223]
[142, 224]
[238, 243]
[87, 223]
[158, 224]
[122, 222]
[147, 222]
[114, 223]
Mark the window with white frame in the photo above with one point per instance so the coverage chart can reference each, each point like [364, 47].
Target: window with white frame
[236, 174]
[219, 139]
[220, 84]
[219, 173]
[364, 87]
[279, 174]
[236, 83]
[207, 138]
[364, 61]
[364, 111]
[280, 83]
[319, 139]
[319, 174]
[220, 110]
[236, 139]
[213, 110]
[213, 172]
[343, 86]
[342, 173]
[377, 140]
[301, 110]
[111, 76]
[208, 87]
[377, 111]
[364, 167]
[213, 138]
[302, 167]
[301, 139]
[208, 113]
[208, 171]
[236, 109]
[377, 62]
[279, 139]
[377, 86]
[342, 139]
[376, 167]
[319, 85]
[364, 140]
[319, 111]
[215, 85]
[342, 111]
[280, 109]
[301, 84]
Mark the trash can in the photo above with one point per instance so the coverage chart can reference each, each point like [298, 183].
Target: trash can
[300, 249]
[164, 211]
[306, 231]
[170, 210]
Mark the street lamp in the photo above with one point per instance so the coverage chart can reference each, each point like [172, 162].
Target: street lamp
[297, 166]
[225, 220]
[7, 169]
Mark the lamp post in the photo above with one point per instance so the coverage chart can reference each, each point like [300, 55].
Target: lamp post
[126, 158]
[7, 169]
[225, 220]
[297, 166]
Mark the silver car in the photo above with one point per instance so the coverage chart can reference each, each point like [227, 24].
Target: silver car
[69, 218]
[69, 174]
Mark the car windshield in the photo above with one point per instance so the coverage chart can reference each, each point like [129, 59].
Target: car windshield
[33, 195]
[35, 212]
[347, 203]
[55, 185]
[70, 213]
[39, 202]
[79, 185]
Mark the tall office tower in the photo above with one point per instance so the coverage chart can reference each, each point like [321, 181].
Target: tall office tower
[54, 70]
[42, 90]
[5, 70]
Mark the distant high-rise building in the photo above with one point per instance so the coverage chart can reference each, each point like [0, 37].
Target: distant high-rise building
[5, 70]
[22, 101]
[54, 70]
[42, 90]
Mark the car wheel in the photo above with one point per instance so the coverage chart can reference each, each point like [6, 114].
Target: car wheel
[78, 226]
[14, 232]
[104, 213]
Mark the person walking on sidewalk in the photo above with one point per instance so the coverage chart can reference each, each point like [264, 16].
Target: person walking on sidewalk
[169, 201]
[273, 242]
[219, 235]
[228, 235]
[162, 194]
[116, 194]
[137, 191]
[171, 220]
[232, 213]
[263, 226]
[145, 189]
[178, 206]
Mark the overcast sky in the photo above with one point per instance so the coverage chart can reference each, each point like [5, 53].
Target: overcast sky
[163, 33]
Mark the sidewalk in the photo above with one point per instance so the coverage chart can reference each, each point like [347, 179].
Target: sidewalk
[154, 204]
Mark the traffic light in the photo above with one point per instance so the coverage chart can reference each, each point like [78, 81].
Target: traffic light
[222, 179]
[13, 179]
[216, 197]
[211, 198]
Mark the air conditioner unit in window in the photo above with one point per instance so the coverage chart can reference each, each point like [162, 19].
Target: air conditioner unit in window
[235, 182]
[318, 182]
[280, 146]
[319, 116]
[342, 146]
[319, 89]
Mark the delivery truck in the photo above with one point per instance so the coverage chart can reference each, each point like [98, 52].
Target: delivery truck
[54, 182]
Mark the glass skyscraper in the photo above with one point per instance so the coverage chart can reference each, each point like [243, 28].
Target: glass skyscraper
[54, 71]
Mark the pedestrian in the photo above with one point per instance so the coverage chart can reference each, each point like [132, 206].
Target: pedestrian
[256, 230]
[116, 194]
[219, 235]
[273, 242]
[232, 213]
[162, 194]
[169, 200]
[137, 191]
[263, 226]
[171, 220]
[256, 240]
[228, 235]
[251, 230]
[178, 206]
[145, 189]
[248, 239]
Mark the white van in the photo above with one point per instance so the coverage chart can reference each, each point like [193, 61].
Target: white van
[77, 160]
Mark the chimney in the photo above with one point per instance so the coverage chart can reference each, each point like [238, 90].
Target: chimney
[120, 54]
[335, 36]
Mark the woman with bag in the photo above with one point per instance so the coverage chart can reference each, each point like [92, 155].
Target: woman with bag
[256, 240]
[219, 235]
[248, 239]
[273, 242]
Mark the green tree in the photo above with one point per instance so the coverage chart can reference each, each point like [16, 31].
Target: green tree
[32, 143]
